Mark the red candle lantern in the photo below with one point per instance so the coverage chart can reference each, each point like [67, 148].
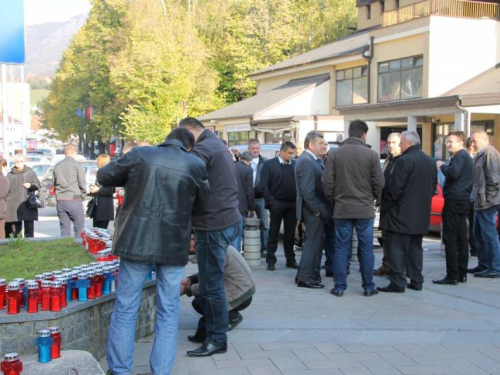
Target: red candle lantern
[32, 297]
[46, 286]
[13, 298]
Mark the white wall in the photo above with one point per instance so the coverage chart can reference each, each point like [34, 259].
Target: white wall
[460, 49]
[267, 84]
[311, 102]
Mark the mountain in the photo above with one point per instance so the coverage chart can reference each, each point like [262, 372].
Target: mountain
[45, 44]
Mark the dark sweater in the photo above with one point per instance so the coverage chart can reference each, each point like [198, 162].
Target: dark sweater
[286, 190]
[459, 173]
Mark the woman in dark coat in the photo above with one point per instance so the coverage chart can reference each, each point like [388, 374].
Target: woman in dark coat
[22, 180]
[4, 191]
[104, 211]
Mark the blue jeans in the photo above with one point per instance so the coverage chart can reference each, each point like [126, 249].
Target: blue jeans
[343, 245]
[263, 216]
[237, 242]
[120, 351]
[211, 247]
[486, 236]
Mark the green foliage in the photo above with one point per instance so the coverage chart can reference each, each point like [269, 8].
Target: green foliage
[143, 65]
[23, 258]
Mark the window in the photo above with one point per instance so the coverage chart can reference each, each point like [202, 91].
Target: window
[396, 3]
[400, 79]
[352, 86]
[488, 126]
[368, 11]
[239, 138]
[382, 6]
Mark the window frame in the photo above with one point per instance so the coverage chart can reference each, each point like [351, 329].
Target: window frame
[396, 66]
[351, 78]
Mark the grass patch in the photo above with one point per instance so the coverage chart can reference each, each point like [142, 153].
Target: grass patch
[20, 258]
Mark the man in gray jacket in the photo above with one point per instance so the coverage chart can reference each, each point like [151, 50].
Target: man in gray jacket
[353, 181]
[70, 189]
[239, 285]
[486, 202]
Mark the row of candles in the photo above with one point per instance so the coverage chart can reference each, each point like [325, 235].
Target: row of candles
[52, 291]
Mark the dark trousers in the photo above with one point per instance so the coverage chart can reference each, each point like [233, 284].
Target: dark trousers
[211, 247]
[405, 251]
[231, 314]
[313, 245]
[70, 211]
[472, 240]
[385, 258]
[455, 237]
[329, 245]
[100, 224]
[281, 211]
[15, 228]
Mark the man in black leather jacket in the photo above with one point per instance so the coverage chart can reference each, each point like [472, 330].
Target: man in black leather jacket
[164, 185]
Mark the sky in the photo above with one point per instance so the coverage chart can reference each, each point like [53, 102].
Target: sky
[43, 11]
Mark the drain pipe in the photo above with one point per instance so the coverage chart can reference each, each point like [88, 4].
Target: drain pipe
[466, 112]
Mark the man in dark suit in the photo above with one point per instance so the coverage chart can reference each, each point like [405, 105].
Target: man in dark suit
[459, 173]
[407, 212]
[277, 183]
[313, 209]
[245, 193]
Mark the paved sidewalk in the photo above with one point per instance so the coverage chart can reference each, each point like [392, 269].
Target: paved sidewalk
[290, 330]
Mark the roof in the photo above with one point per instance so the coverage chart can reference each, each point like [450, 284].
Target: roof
[487, 82]
[354, 44]
[266, 100]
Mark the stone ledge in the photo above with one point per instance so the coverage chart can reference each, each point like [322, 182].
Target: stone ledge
[81, 361]
[73, 306]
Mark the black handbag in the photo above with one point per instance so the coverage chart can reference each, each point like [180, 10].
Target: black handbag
[91, 207]
[32, 202]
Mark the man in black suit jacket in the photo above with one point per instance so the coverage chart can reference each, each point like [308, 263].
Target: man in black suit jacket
[277, 183]
[246, 203]
[313, 209]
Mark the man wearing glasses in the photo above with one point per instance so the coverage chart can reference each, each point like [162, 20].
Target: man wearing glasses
[459, 174]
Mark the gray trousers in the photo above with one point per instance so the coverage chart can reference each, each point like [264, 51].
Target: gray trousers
[71, 211]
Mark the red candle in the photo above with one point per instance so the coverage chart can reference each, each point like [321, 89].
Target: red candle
[11, 364]
[32, 297]
[55, 296]
[3, 291]
[13, 298]
[46, 286]
[56, 346]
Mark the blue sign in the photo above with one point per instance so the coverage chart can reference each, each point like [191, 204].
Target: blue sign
[12, 49]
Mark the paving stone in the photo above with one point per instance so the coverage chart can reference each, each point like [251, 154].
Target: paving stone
[309, 354]
[244, 363]
[362, 348]
[329, 347]
[414, 370]
[289, 364]
[287, 345]
[263, 370]
[380, 367]
[352, 356]
[469, 370]
[397, 359]
[332, 364]
[355, 371]
[485, 363]
[203, 363]
[221, 371]
[314, 372]
[267, 354]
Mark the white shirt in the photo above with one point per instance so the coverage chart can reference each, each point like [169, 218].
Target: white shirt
[283, 162]
[312, 154]
[255, 166]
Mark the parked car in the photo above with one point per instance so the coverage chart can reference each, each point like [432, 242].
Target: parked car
[48, 193]
[40, 169]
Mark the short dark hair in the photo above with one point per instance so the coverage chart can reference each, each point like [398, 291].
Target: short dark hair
[191, 122]
[183, 135]
[311, 137]
[459, 134]
[252, 141]
[246, 156]
[286, 145]
[357, 128]
[468, 143]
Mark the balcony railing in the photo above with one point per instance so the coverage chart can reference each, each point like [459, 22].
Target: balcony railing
[452, 8]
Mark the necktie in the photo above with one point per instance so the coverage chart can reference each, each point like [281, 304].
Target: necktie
[320, 162]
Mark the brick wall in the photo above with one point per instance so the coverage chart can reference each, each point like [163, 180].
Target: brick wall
[496, 138]
[427, 138]
[84, 325]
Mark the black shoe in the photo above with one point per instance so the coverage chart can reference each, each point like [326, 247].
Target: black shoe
[329, 274]
[270, 267]
[370, 293]
[310, 284]
[475, 270]
[417, 287]
[391, 288]
[197, 338]
[445, 281]
[293, 265]
[462, 279]
[336, 292]
[233, 323]
[208, 350]
[489, 275]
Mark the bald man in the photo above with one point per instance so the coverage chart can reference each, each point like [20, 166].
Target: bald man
[486, 204]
